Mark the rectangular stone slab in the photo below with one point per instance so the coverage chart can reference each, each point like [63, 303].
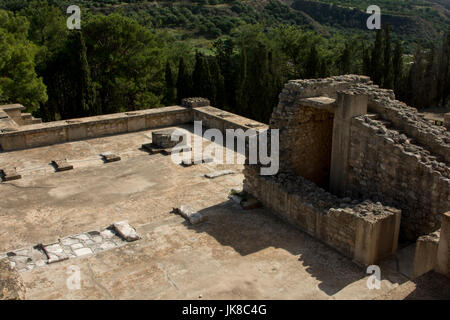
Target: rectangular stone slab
[62, 165]
[154, 149]
[110, 157]
[9, 174]
[55, 253]
[126, 231]
[187, 163]
[220, 173]
[192, 215]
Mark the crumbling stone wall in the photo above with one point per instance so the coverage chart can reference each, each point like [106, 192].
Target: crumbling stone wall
[385, 165]
[396, 156]
[355, 228]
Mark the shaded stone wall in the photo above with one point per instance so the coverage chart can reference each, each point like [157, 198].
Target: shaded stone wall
[362, 230]
[385, 166]
[308, 144]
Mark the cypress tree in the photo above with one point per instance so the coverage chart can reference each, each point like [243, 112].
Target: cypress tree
[183, 82]
[86, 92]
[218, 88]
[388, 77]
[397, 66]
[169, 97]
[367, 68]
[345, 60]
[312, 64]
[201, 77]
[377, 59]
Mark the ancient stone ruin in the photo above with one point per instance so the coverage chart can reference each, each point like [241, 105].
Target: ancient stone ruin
[358, 168]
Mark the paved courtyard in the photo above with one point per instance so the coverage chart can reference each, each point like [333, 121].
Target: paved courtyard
[236, 254]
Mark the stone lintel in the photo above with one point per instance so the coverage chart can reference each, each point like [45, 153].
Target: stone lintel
[324, 103]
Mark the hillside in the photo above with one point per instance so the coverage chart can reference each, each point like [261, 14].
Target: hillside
[411, 20]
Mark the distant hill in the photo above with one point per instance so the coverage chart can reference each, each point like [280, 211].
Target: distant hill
[410, 20]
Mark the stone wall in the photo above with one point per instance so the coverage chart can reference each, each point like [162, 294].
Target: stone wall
[36, 135]
[362, 230]
[391, 154]
[307, 145]
[386, 166]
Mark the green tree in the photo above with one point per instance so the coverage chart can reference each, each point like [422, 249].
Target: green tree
[19, 82]
[183, 82]
[388, 76]
[201, 78]
[377, 59]
[397, 65]
[313, 63]
[169, 97]
[126, 61]
[218, 94]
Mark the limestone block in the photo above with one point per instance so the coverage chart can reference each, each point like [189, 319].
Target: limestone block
[219, 173]
[126, 231]
[110, 157]
[62, 165]
[192, 215]
[9, 174]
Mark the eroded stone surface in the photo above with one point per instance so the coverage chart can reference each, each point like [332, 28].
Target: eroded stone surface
[11, 283]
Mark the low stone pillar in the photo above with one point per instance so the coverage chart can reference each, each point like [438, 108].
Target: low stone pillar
[443, 252]
[425, 254]
[163, 138]
[447, 120]
[350, 104]
[377, 237]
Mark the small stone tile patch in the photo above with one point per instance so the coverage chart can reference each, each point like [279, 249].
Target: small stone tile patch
[61, 165]
[9, 173]
[110, 157]
[73, 246]
[220, 173]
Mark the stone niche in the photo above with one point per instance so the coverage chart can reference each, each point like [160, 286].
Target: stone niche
[309, 145]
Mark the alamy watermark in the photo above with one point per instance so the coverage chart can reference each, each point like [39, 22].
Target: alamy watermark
[74, 20]
[374, 21]
[73, 281]
[235, 139]
[374, 281]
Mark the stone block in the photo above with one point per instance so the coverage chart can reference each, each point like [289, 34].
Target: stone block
[220, 173]
[192, 215]
[125, 231]
[62, 165]
[9, 174]
[110, 157]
